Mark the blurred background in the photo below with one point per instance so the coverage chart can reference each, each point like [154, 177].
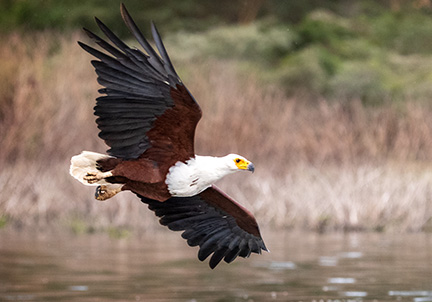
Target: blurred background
[330, 99]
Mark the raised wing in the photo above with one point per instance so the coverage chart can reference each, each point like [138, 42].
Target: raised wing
[213, 221]
[145, 107]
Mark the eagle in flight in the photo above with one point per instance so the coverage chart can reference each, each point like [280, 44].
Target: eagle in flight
[148, 118]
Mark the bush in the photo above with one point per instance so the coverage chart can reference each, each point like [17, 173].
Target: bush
[404, 33]
[357, 80]
[304, 73]
[323, 27]
[254, 42]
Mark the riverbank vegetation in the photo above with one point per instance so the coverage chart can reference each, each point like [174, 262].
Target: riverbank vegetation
[333, 107]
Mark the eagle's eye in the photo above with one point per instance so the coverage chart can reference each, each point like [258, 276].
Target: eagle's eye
[238, 160]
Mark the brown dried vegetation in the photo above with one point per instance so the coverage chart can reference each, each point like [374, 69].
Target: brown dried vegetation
[322, 165]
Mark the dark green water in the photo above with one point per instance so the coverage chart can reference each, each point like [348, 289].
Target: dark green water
[160, 267]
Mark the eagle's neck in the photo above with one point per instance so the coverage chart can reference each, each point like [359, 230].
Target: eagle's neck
[197, 174]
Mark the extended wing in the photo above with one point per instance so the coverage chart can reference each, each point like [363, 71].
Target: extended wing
[213, 221]
[145, 106]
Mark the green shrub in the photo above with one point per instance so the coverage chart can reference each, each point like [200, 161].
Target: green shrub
[323, 27]
[404, 33]
[303, 73]
[253, 42]
[359, 80]
[356, 49]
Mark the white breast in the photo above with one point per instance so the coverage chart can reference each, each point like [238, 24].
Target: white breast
[196, 175]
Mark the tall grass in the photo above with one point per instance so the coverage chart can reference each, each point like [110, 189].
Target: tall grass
[48, 95]
[322, 165]
[365, 197]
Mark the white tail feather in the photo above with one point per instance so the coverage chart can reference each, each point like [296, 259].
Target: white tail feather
[85, 163]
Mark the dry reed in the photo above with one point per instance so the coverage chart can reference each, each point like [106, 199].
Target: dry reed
[319, 166]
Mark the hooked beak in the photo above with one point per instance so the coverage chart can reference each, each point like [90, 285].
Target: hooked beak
[251, 167]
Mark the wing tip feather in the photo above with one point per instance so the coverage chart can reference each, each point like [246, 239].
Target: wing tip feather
[213, 243]
[124, 12]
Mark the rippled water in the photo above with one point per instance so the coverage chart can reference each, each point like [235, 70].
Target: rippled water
[160, 267]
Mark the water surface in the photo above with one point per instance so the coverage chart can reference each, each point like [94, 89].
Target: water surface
[160, 267]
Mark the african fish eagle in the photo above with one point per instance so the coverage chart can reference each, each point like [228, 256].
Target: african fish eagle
[148, 118]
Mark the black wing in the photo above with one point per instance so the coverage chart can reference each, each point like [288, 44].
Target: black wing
[213, 221]
[138, 89]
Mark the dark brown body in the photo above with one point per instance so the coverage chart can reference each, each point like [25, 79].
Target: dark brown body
[141, 176]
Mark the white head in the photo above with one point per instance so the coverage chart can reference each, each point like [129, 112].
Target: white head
[236, 162]
[195, 175]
